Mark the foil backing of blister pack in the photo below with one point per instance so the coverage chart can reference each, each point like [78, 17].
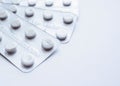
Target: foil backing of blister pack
[55, 26]
[62, 5]
[41, 47]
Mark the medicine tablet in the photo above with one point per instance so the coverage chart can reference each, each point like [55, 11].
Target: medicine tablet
[30, 34]
[13, 9]
[15, 24]
[27, 61]
[61, 35]
[29, 12]
[3, 14]
[66, 2]
[48, 3]
[68, 19]
[31, 3]
[47, 45]
[47, 16]
[11, 48]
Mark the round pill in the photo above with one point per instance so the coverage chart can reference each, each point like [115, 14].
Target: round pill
[13, 9]
[3, 15]
[67, 2]
[31, 3]
[30, 34]
[27, 61]
[48, 3]
[11, 48]
[61, 35]
[47, 16]
[29, 12]
[16, 24]
[47, 45]
[68, 19]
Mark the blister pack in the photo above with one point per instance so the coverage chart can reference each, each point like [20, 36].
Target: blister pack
[63, 5]
[31, 45]
[59, 24]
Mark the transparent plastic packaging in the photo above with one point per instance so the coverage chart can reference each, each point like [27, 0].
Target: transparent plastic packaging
[59, 24]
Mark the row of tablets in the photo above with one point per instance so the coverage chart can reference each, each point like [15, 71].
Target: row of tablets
[58, 24]
[63, 5]
[31, 31]
[19, 38]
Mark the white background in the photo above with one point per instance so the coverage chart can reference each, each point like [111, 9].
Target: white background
[92, 58]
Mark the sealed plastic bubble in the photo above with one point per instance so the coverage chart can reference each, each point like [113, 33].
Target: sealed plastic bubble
[23, 44]
[62, 5]
[59, 24]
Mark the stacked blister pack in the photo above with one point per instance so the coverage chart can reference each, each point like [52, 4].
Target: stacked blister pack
[32, 30]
